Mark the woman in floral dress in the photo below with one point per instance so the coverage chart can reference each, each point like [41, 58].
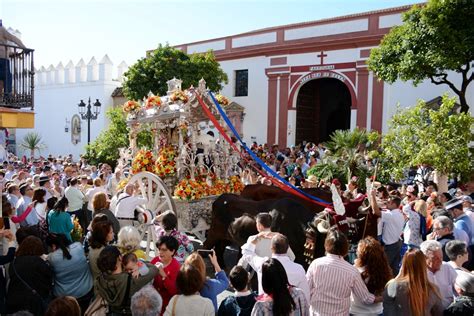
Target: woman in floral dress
[167, 224]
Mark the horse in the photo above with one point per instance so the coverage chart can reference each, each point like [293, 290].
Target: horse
[228, 227]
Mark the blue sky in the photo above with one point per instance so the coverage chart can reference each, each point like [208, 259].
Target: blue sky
[60, 30]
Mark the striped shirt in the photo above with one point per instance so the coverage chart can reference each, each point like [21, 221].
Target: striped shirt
[331, 280]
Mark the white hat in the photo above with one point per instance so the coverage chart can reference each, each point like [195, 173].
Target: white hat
[456, 202]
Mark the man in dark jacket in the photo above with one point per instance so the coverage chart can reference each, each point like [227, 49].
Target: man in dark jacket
[464, 304]
[240, 304]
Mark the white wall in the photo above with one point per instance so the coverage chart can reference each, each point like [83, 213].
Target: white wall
[256, 103]
[406, 95]
[54, 102]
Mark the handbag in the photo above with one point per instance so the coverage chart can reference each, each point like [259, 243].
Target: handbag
[98, 307]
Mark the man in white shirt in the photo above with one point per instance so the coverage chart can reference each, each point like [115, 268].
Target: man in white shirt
[263, 247]
[126, 205]
[439, 272]
[114, 181]
[392, 227]
[279, 246]
[93, 191]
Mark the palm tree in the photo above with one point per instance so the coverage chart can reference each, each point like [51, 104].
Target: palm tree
[346, 156]
[32, 141]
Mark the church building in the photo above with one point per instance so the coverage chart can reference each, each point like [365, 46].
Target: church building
[303, 81]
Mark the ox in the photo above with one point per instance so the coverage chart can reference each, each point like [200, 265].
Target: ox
[229, 226]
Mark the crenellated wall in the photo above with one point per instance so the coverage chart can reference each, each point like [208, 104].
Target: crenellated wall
[80, 72]
[58, 91]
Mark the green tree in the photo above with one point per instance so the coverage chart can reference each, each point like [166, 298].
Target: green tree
[152, 73]
[105, 148]
[32, 141]
[435, 38]
[438, 137]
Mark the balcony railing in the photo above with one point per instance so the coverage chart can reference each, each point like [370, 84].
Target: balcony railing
[16, 77]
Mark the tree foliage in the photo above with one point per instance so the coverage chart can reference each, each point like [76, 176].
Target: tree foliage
[152, 73]
[105, 148]
[435, 38]
[438, 137]
[345, 156]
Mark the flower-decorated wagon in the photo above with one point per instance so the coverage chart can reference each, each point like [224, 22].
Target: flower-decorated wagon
[188, 167]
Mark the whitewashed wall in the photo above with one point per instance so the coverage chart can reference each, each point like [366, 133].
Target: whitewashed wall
[406, 95]
[57, 94]
[256, 103]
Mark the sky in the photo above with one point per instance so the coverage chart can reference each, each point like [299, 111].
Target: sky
[63, 30]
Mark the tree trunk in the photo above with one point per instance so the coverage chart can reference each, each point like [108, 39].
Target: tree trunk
[463, 101]
[32, 153]
[441, 180]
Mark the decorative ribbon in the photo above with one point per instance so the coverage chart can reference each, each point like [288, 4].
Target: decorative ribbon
[276, 179]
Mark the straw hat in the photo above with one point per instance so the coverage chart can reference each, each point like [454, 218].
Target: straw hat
[312, 179]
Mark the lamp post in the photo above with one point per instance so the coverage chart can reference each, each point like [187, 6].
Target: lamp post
[87, 114]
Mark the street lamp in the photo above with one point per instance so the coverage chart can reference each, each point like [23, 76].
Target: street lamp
[87, 114]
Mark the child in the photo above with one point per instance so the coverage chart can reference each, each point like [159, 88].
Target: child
[131, 264]
[243, 301]
[167, 224]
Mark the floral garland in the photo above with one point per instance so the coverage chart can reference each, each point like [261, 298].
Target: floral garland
[131, 106]
[179, 95]
[235, 185]
[183, 128]
[218, 187]
[77, 232]
[121, 185]
[206, 185]
[152, 102]
[222, 100]
[188, 189]
[143, 161]
[165, 164]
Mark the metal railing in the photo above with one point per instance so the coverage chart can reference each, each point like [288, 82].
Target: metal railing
[16, 77]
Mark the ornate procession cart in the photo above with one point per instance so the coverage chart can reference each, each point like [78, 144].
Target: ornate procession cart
[187, 168]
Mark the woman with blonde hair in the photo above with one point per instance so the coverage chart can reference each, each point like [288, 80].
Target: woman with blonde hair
[129, 241]
[411, 292]
[425, 217]
[212, 287]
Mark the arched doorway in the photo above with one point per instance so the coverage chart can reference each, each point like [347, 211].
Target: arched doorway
[322, 106]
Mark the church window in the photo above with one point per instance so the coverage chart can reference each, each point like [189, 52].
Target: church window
[241, 83]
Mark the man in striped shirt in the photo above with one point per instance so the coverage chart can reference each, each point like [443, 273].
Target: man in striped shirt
[332, 280]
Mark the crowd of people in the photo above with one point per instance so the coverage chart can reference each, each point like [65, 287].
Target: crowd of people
[70, 247]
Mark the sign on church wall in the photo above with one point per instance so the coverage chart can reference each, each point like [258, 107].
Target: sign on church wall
[322, 74]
